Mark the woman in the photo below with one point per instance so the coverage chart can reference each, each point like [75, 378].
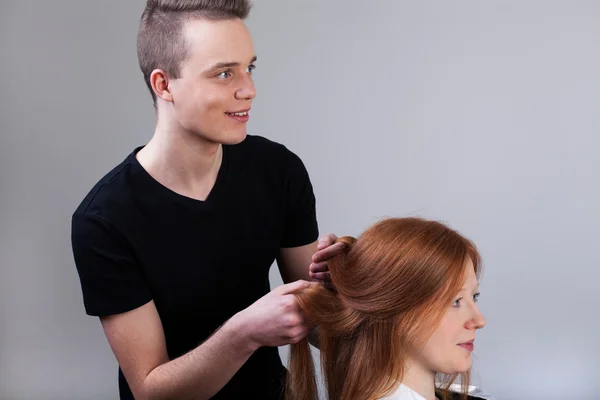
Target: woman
[403, 316]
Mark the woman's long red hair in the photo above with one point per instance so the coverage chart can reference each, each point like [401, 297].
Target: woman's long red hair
[393, 286]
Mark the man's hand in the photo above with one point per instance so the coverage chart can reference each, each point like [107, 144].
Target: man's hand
[276, 318]
[326, 249]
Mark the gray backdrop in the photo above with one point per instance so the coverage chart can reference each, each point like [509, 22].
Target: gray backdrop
[481, 114]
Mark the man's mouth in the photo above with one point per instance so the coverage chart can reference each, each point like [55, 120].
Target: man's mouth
[238, 114]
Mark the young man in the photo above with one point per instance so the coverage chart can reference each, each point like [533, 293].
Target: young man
[173, 246]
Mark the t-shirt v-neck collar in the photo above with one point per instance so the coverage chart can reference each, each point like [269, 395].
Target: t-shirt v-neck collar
[152, 184]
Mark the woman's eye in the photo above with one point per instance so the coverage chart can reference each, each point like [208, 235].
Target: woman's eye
[476, 297]
[456, 303]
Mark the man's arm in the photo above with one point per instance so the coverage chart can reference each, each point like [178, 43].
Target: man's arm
[309, 262]
[294, 262]
[137, 340]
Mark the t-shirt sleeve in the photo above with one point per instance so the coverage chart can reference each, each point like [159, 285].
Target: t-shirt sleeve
[300, 225]
[111, 279]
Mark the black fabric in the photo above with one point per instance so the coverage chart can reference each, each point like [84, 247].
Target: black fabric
[456, 396]
[201, 262]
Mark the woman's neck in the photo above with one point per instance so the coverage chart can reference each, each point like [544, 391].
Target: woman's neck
[420, 379]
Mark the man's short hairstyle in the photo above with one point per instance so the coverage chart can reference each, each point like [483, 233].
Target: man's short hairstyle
[161, 42]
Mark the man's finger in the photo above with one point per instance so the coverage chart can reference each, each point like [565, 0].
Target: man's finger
[326, 241]
[327, 253]
[293, 287]
[318, 267]
[321, 276]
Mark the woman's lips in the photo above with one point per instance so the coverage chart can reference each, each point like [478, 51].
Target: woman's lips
[469, 346]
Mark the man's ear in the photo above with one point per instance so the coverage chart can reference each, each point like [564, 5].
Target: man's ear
[159, 80]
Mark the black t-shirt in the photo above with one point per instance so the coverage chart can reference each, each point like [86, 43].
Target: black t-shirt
[134, 240]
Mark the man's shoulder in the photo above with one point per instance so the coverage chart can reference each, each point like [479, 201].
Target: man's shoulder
[263, 144]
[107, 193]
[268, 150]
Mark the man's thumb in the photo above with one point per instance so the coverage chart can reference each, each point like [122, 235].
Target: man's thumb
[294, 286]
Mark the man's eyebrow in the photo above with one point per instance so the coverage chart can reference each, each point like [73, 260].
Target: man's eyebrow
[231, 64]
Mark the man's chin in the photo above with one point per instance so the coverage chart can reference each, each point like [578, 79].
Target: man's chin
[236, 138]
[227, 138]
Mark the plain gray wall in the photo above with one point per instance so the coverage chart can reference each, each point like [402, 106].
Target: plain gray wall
[484, 115]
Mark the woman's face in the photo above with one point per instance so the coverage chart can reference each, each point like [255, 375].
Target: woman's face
[450, 348]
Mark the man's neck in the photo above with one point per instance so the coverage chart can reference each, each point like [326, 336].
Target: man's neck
[182, 161]
[420, 379]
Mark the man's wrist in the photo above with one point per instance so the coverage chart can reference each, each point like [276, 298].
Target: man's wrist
[241, 332]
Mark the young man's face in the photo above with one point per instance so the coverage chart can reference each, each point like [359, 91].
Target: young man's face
[213, 95]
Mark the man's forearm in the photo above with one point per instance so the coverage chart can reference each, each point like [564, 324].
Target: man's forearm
[202, 372]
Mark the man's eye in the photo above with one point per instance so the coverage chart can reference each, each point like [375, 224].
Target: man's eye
[224, 75]
[251, 68]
